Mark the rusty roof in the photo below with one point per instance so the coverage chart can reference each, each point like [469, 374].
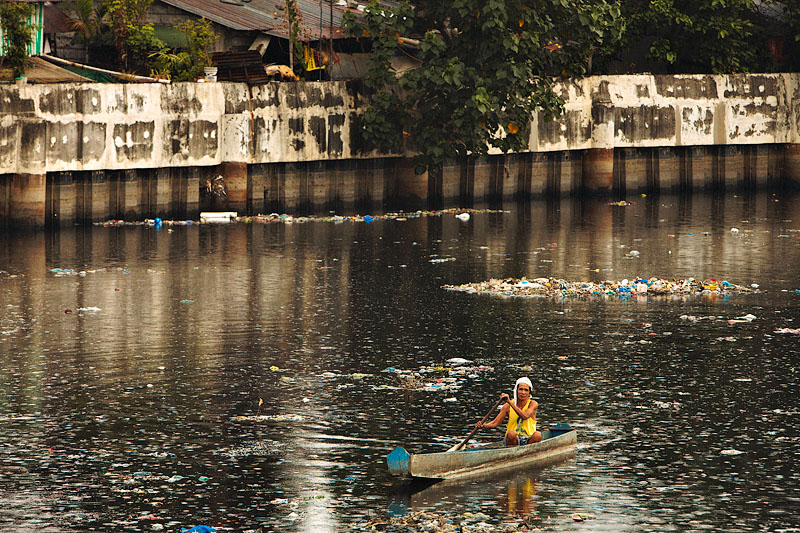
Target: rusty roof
[267, 16]
[56, 21]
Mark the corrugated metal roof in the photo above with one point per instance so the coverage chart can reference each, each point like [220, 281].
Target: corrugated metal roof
[268, 16]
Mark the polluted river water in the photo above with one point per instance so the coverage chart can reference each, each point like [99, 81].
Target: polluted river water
[253, 376]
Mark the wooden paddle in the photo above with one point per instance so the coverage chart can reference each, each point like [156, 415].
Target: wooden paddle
[475, 429]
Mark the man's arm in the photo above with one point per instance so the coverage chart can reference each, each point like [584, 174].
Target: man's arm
[498, 419]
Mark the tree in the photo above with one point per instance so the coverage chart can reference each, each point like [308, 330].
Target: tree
[187, 64]
[485, 66]
[131, 39]
[294, 20]
[783, 18]
[14, 18]
[700, 36]
[86, 19]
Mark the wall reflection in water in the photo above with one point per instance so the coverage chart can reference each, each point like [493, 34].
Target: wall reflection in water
[143, 354]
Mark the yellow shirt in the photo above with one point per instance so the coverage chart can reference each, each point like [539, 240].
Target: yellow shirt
[522, 427]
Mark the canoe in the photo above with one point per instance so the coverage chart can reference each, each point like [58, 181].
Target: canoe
[557, 441]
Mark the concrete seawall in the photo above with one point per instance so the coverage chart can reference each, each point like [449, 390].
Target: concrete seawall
[90, 152]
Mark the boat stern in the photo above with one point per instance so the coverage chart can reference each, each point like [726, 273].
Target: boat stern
[399, 462]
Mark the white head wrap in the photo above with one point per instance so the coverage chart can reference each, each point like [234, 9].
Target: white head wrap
[516, 386]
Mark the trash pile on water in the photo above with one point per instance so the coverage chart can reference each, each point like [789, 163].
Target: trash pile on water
[400, 216]
[431, 521]
[276, 418]
[465, 522]
[267, 449]
[448, 378]
[639, 287]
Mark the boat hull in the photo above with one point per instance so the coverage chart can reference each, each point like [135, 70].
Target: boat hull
[467, 462]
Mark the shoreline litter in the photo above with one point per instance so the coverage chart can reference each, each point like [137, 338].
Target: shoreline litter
[639, 287]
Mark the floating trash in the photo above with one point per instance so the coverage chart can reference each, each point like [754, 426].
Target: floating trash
[692, 318]
[731, 452]
[432, 521]
[278, 418]
[267, 449]
[742, 319]
[551, 287]
[198, 529]
[460, 213]
[788, 330]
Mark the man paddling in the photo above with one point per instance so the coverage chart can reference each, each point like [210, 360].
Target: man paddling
[521, 412]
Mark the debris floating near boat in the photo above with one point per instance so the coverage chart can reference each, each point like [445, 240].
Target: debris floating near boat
[640, 287]
[433, 521]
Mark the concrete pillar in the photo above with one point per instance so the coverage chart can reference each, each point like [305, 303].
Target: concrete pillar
[631, 168]
[412, 188]
[256, 184]
[540, 171]
[451, 182]
[61, 191]
[775, 164]
[699, 168]
[524, 163]
[320, 187]
[370, 176]
[792, 163]
[5, 184]
[91, 197]
[571, 169]
[511, 177]
[345, 181]
[496, 179]
[668, 169]
[756, 166]
[26, 199]
[192, 205]
[275, 188]
[466, 183]
[482, 184]
[158, 193]
[184, 193]
[129, 195]
[733, 165]
[598, 170]
[598, 162]
[235, 177]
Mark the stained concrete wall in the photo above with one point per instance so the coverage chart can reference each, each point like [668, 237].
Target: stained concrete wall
[74, 127]
[89, 151]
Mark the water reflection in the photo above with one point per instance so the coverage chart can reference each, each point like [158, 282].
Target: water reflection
[174, 334]
[511, 492]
